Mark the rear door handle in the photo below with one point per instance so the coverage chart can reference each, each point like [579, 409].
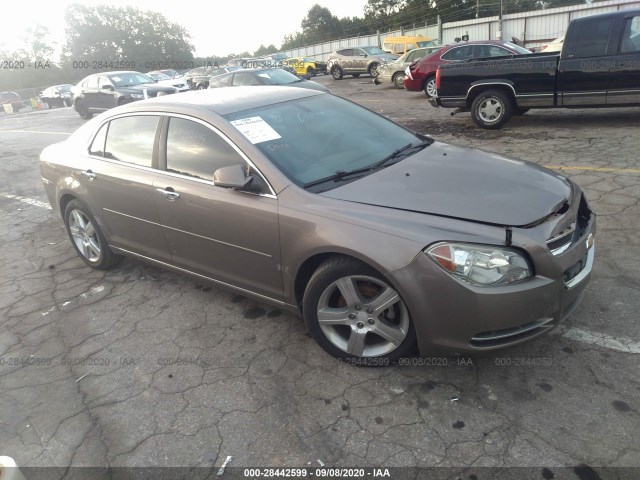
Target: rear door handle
[89, 174]
[169, 193]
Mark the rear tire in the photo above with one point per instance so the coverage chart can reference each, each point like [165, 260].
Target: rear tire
[430, 87]
[398, 80]
[356, 316]
[87, 238]
[82, 110]
[491, 109]
[310, 73]
[337, 73]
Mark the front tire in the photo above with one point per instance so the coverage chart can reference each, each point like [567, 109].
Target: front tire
[87, 238]
[430, 87]
[398, 80]
[355, 315]
[336, 73]
[491, 109]
[373, 69]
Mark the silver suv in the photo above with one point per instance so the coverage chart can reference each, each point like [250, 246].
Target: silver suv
[357, 60]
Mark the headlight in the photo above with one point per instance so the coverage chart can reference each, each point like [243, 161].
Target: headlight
[480, 264]
[137, 95]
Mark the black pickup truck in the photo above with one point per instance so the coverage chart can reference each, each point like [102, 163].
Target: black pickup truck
[599, 66]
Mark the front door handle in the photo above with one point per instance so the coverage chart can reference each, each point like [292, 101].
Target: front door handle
[169, 193]
[89, 174]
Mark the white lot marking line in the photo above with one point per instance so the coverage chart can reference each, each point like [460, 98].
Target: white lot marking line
[36, 131]
[621, 344]
[28, 201]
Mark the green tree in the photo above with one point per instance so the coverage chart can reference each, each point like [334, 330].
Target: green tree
[124, 34]
[265, 50]
[320, 24]
[37, 44]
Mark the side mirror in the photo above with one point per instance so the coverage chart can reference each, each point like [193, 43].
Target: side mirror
[232, 177]
[106, 87]
[363, 54]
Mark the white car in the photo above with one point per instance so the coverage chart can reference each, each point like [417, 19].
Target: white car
[555, 46]
[165, 80]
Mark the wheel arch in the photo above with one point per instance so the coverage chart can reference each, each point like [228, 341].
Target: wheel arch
[503, 85]
[310, 265]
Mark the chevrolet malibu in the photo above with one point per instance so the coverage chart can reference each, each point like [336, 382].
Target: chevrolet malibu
[384, 239]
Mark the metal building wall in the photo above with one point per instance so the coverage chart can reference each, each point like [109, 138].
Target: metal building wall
[534, 28]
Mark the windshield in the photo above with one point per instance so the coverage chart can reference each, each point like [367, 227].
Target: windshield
[159, 76]
[315, 137]
[64, 88]
[373, 50]
[517, 48]
[128, 79]
[277, 76]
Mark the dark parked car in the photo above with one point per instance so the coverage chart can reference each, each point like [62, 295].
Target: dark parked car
[201, 82]
[10, 98]
[422, 74]
[382, 238]
[57, 96]
[102, 91]
[263, 76]
[599, 66]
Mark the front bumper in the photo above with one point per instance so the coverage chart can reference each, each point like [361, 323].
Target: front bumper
[451, 315]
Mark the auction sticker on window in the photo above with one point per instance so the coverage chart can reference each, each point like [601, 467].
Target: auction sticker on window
[255, 129]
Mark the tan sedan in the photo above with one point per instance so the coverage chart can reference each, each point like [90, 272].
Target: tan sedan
[382, 238]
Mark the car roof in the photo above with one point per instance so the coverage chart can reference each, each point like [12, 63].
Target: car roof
[224, 101]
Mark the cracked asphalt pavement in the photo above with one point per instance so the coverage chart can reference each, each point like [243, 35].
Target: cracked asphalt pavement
[140, 366]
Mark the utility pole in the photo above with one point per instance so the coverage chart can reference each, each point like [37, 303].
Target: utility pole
[500, 20]
[477, 8]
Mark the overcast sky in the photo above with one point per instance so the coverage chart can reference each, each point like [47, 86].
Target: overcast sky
[216, 28]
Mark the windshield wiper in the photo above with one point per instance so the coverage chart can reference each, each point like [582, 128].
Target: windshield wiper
[409, 148]
[339, 175]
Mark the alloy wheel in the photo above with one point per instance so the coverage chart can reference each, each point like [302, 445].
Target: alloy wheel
[84, 235]
[363, 316]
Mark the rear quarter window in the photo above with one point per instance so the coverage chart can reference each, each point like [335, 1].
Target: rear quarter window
[589, 38]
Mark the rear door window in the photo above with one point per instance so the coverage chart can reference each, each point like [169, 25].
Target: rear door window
[131, 139]
[459, 53]
[244, 79]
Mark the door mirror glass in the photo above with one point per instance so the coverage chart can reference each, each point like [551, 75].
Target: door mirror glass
[232, 176]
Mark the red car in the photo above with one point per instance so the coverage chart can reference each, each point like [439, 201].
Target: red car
[421, 75]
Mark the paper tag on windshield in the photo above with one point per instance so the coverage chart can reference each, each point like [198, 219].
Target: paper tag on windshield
[255, 129]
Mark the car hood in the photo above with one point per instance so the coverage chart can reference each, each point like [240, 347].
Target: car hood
[308, 84]
[465, 184]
